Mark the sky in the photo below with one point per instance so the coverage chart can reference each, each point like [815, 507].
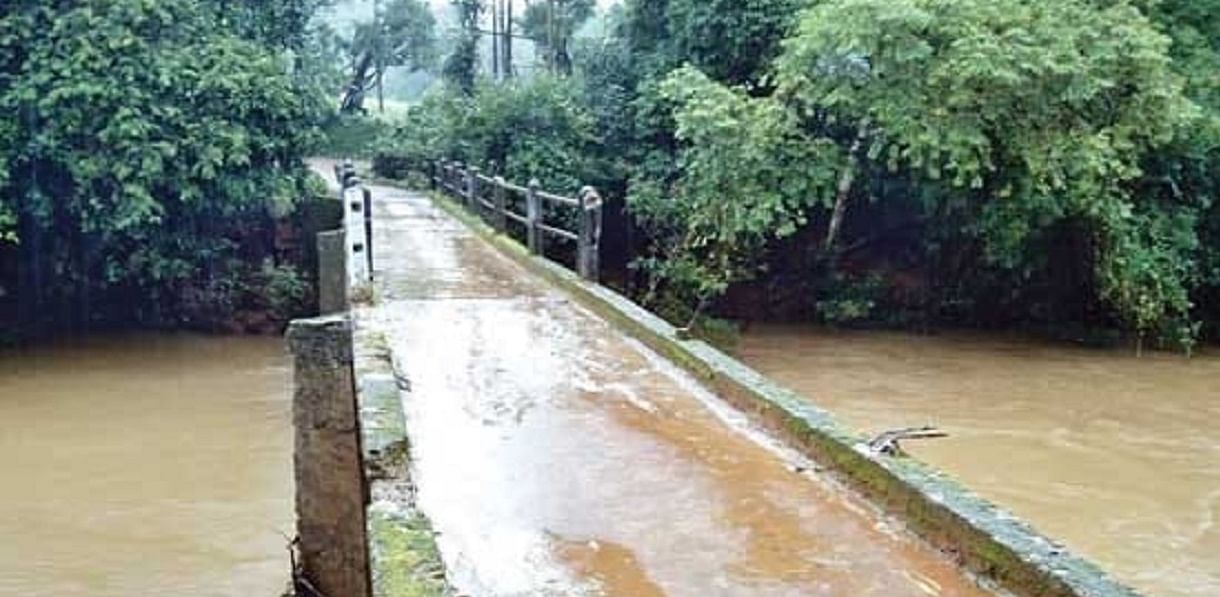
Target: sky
[345, 13]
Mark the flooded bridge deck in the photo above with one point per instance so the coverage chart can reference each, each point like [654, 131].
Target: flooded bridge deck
[554, 455]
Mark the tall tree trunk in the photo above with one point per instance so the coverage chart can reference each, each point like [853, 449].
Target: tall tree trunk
[353, 98]
[846, 180]
[380, 91]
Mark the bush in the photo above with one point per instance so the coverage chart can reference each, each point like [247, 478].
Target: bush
[151, 142]
[520, 130]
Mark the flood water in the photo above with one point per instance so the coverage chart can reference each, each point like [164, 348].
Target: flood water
[145, 465]
[1117, 457]
[555, 456]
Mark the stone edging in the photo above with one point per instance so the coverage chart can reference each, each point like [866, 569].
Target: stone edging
[403, 557]
[979, 536]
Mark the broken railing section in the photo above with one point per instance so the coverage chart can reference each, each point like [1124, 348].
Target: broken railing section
[506, 205]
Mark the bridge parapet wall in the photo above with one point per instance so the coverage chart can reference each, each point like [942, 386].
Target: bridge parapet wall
[359, 533]
[985, 540]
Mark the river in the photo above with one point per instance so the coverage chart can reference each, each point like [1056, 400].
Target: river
[145, 465]
[1116, 456]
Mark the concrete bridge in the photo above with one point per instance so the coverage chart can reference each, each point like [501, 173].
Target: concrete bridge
[494, 424]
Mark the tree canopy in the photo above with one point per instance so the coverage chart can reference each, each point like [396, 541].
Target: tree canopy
[145, 135]
[974, 161]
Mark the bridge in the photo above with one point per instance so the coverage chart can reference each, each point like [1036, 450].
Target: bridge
[509, 427]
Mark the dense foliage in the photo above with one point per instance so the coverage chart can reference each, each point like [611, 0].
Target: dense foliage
[1039, 162]
[145, 142]
[522, 130]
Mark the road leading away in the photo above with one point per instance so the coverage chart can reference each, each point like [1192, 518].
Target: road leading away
[556, 456]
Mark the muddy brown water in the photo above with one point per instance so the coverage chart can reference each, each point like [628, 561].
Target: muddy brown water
[1117, 457]
[555, 456]
[145, 465]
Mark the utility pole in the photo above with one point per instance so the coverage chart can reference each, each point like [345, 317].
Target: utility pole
[380, 50]
[550, 35]
[495, 40]
[508, 40]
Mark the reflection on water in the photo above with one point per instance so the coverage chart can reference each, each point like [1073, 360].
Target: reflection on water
[145, 465]
[1118, 457]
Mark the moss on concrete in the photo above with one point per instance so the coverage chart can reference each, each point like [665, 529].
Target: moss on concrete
[405, 557]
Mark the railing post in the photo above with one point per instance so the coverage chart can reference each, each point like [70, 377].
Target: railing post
[588, 255]
[501, 200]
[357, 241]
[368, 227]
[332, 272]
[472, 190]
[432, 174]
[533, 210]
[348, 174]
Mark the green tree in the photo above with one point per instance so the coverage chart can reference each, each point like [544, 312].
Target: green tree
[729, 40]
[1188, 167]
[402, 34]
[277, 24]
[520, 129]
[146, 138]
[1026, 113]
[749, 174]
[732, 41]
[461, 66]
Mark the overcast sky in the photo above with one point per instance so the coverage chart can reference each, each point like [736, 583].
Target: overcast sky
[346, 13]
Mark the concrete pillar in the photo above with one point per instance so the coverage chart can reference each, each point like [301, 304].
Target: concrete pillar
[357, 258]
[500, 221]
[332, 272]
[588, 258]
[368, 228]
[533, 212]
[330, 485]
[472, 189]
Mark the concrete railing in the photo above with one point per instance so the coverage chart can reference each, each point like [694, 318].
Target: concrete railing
[500, 203]
[345, 256]
[359, 532]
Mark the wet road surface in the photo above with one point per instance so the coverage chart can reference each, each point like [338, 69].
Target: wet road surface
[556, 456]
